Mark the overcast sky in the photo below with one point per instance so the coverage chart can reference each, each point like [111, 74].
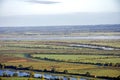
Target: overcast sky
[58, 12]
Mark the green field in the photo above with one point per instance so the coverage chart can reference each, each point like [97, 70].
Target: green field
[80, 58]
[100, 71]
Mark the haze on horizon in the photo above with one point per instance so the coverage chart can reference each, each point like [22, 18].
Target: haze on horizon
[58, 12]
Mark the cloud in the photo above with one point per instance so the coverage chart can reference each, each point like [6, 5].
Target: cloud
[43, 2]
[42, 7]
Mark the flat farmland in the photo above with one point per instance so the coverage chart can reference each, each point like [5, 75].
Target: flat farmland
[57, 47]
[79, 58]
[14, 51]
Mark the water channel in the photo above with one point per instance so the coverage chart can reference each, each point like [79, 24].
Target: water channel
[63, 38]
[37, 75]
[93, 46]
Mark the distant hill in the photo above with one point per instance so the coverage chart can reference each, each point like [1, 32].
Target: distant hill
[63, 29]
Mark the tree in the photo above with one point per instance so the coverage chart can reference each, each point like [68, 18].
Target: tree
[32, 74]
[2, 66]
[20, 66]
[65, 71]
[68, 78]
[53, 70]
[45, 70]
[15, 75]
[118, 77]
[30, 67]
[42, 78]
[110, 64]
[4, 74]
[87, 73]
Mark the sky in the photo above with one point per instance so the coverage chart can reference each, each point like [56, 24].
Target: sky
[58, 12]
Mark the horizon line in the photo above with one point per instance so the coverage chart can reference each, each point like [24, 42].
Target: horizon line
[61, 25]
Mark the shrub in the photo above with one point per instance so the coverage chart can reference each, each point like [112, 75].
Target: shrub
[5, 74]
[20, 66]
[32, 74]
[42, 78]
[45, 70]
[15, 75]
[53, 70]
[87, 73]
[65, 71]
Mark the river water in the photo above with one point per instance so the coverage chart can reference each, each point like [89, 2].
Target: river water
[37, 75]
[64, 38]
[93, 46]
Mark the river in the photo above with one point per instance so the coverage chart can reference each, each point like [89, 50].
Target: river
[63, 38]
[37, 75]
[94, 46]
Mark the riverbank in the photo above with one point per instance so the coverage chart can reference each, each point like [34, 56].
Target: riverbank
[9, 74]
[18, 78]
[12, 73]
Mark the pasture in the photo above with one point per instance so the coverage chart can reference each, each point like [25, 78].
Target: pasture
[79, 58]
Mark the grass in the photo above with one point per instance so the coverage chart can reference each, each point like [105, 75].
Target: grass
[61, 66]
[99, 72]
[81, 58]
[49, 47]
